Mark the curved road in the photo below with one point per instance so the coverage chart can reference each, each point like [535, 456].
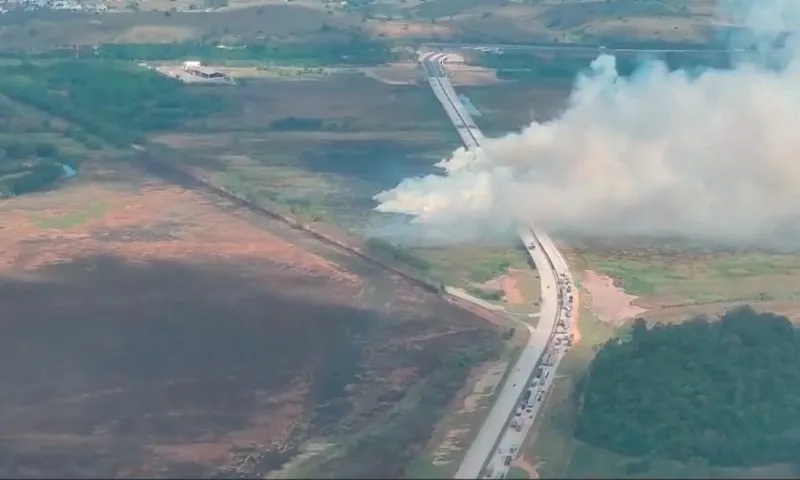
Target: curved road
[497, 438]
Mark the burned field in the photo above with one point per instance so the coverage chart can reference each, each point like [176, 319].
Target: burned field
[149, 330]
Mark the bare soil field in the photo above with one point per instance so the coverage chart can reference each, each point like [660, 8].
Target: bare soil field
[149, 330]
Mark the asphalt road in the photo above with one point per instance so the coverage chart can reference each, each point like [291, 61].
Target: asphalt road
[496, 429]
[575, 48]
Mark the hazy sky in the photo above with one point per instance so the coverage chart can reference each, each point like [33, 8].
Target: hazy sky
[714, 158]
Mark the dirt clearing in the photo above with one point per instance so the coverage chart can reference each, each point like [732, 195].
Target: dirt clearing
[610, 303]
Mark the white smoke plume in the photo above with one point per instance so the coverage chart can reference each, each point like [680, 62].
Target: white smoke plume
[713, 158]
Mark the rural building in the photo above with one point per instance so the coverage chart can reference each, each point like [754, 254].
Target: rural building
[197, 69]
[206, 72]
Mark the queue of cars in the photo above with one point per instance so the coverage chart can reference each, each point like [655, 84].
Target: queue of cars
[540, 381]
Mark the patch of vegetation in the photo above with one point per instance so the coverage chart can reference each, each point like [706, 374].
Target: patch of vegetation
[474, 264]
[422, 468]
[117, 103]
[486, 294]
[393, 252]
[727, 392]
[636, 278]
[355, 50]
[74, 219]
[516, 472]
[305, 124]
[26, 167]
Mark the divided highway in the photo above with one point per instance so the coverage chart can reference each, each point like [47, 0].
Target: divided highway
[530, 379]
[578, 48]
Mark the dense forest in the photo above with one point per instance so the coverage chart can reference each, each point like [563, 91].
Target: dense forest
[117, 103]
[31, 167]
[726, 391]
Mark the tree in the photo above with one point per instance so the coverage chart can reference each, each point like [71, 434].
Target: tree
[725, 392]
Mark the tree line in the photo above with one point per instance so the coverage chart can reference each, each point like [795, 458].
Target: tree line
[118, 103]
[726, 391]
[28, 167]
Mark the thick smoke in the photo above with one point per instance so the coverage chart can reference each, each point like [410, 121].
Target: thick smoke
[713, 158]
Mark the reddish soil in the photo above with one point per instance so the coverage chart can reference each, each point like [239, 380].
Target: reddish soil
[510, 285]
[162, 332]
[610, 303]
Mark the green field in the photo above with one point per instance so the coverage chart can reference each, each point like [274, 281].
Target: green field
[73, 219]
[703, 277]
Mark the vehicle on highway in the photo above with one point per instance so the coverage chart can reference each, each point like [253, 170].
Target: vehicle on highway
[548, 261]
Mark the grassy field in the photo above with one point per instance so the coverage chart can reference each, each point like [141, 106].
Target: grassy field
[668, 277]
[474, 264]
[70, 220]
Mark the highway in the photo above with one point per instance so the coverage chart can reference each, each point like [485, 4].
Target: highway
[577, 48]
[499, 438]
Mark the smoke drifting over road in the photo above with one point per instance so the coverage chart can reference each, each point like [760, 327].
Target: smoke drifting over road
[713, 158]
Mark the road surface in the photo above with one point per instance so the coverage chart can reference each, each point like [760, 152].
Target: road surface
[576, 48]
[553, 326]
